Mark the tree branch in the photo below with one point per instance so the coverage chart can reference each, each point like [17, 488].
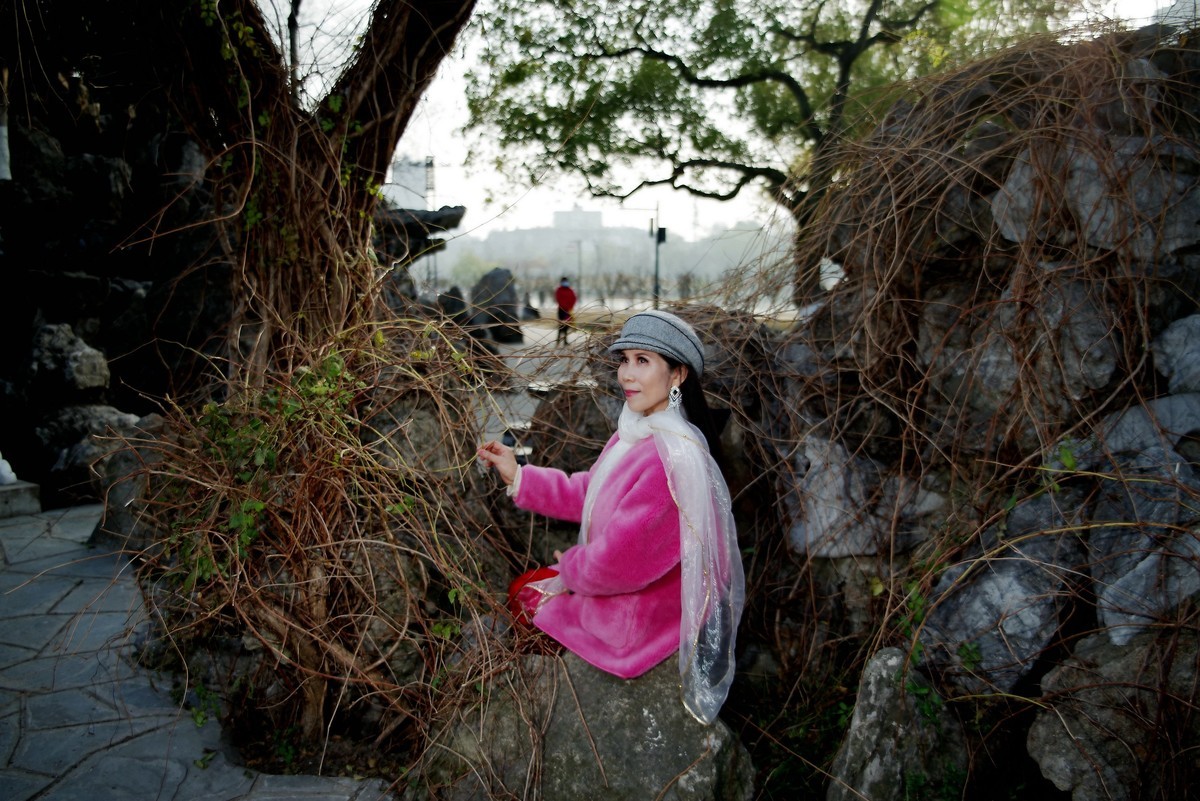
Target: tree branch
[689, 76]
[396, 62]
[777, 182]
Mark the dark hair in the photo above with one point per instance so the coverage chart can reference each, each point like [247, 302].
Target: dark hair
[699, 413]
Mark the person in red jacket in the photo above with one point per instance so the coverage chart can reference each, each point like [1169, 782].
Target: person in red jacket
[564, 296]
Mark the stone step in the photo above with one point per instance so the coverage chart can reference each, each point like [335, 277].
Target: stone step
[20, 498]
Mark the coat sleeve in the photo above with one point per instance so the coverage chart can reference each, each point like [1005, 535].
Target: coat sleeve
[634, 537]
[553, 493]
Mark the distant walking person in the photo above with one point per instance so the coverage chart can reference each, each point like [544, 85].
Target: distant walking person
[564, 296]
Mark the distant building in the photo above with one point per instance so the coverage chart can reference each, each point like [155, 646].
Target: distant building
[409, 184]
[578, 220]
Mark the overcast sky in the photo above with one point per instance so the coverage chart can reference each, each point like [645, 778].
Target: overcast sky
[436, 131]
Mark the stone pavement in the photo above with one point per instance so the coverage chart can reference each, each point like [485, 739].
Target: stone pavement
[79, 720]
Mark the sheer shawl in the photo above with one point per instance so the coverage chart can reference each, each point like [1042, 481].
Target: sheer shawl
[711, 565]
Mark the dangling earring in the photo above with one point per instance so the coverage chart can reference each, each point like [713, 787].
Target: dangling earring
[674, 398]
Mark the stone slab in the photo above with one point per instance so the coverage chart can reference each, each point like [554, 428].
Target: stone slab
[20, 498]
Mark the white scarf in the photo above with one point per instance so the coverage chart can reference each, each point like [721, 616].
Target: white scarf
[713, 581]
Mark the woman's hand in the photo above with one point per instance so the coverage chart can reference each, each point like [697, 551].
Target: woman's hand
[500, 458]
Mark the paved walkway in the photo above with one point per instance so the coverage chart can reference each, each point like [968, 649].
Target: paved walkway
[79, 721]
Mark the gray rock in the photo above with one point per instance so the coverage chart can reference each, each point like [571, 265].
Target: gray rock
[1177, 354]
[1116, 196]
[993, 615]
[497, 307]
[1085, 355]
[1147, 211]
[569, 732]
[63, 361]
[80, 435]
[976, 363]
[123, 473]
[842, 504]
[1116, 722]
[1162, 422]
[1144, 554]
[1021, 210]
[901, 736]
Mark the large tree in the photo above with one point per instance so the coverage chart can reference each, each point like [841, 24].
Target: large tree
[711, 97]
[295, 179]
[283, 191]
[312, 174]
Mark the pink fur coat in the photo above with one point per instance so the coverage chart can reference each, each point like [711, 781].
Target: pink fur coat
[622, 612]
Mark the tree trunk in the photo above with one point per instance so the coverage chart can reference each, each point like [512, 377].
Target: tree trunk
[300, 186]
[297, 189]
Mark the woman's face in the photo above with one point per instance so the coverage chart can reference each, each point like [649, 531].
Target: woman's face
[646, 379]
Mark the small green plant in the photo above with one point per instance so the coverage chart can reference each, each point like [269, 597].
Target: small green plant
[970, 656]
[845, 711]
[207, 706]
[916, 603]
[1067, 455]
[252, 213]
[244, 440]
[208, 12]
[915, 786]
[195, 557]
[446, 629]
[910, 622]
[334, 104]
[245, 524]
[284, 745]
[920, 787]
[929, 704]
[404, 507]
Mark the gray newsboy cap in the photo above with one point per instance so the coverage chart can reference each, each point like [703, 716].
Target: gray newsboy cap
[662, 333]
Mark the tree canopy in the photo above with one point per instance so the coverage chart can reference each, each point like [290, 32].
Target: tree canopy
[711, 97]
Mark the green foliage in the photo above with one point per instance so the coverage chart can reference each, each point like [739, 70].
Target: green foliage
[707, 94]
[241, 441]
[1066, 455]
[915, 604]
[970, 656]
[284, 745]
[404, 507]
[252, 213]
[949, 787]
[333, 106]
[929, 703]
[206, 707]
[798, 737]
[208, 12]
[447, 629]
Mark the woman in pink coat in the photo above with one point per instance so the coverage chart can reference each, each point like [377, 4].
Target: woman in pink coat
[657, 569]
